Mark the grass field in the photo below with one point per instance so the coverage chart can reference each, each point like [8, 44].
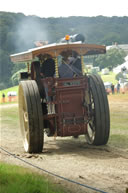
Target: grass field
[119, 120]
[109, 78]
[10, 116]
[15, 179]
[118, 113]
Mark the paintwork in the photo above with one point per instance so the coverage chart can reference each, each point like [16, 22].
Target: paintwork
[68, 96]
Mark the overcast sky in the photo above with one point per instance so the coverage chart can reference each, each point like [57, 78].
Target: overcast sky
[65, 8]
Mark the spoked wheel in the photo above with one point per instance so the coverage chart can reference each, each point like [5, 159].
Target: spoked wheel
[99, 123]
[31, 116]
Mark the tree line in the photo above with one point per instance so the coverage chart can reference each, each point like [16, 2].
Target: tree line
[19, 32]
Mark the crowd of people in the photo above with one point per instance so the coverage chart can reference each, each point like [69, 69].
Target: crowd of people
[9, 98]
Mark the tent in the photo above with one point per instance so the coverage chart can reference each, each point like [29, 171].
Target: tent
[119, 68]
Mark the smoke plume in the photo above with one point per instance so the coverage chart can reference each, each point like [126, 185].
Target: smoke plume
[29, 30]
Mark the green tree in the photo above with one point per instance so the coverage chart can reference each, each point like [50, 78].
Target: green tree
[16, 77]
[19, 32]
[18, 66]
[111, 59]
[5, 67]
[119, 75]
[2, 86]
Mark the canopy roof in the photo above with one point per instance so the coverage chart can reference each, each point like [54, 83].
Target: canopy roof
[56, 49]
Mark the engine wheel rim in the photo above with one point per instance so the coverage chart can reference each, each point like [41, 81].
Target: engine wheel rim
[26, 131]
[98, 112]
[90, 136]
[31, 119]
[24, 120]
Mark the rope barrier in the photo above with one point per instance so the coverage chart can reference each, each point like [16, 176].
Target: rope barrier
[61, 177]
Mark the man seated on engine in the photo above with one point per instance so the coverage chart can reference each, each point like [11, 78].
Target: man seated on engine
[67, 69]
[48, 67]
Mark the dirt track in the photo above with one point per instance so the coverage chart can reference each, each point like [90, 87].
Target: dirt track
[105, 167]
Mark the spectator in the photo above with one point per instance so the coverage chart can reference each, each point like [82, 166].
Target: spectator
[3, 98]
[112, 88]
[118, 87]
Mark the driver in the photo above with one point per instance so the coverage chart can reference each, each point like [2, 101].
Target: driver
[67, 68]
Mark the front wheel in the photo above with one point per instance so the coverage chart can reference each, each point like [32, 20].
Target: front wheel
[31, 116]
[99, 123]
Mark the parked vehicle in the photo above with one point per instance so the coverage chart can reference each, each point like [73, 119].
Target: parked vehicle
[107, 86]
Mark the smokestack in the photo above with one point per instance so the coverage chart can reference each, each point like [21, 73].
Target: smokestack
[75, 38]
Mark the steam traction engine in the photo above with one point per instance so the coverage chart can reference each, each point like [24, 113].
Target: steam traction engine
[61, 106]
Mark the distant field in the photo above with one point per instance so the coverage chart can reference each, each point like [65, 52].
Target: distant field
[109, 78]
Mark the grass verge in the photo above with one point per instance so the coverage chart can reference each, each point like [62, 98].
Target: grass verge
[119, 120]
[15, 179]
[9, 116]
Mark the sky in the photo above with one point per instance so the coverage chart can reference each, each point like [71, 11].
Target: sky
[65, 8]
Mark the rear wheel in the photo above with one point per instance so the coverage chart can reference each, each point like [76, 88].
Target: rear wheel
[99, 123]
[31, 116]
